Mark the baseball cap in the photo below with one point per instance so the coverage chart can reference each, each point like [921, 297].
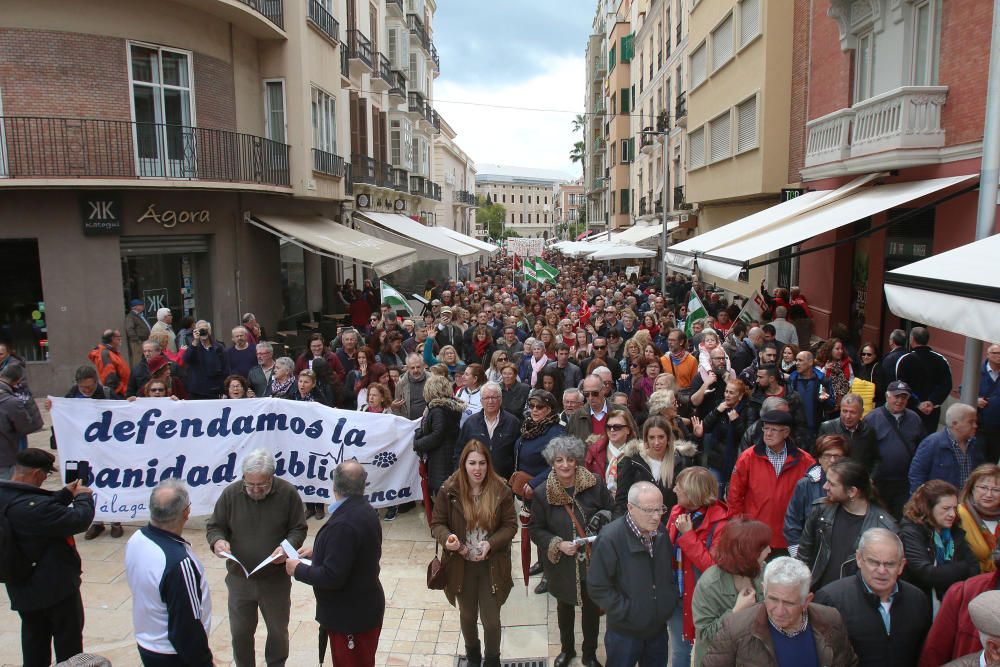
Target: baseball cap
[39, 459]
[899, 387]
[446, 310]
[134, 302]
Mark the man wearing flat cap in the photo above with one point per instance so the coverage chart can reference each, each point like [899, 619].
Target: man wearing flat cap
[765, 475]
[985, 613]
[448, 332]
[136, 330]
[44, 587]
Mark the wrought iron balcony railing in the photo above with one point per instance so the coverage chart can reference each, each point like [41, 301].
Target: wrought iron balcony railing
[328, 163]
[272, 10]
[359, 47]
[324, 20]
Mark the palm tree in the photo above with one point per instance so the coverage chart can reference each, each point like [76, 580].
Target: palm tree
[580, 122]
[577, 154]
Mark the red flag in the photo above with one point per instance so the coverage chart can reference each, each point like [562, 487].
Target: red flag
[517, 262]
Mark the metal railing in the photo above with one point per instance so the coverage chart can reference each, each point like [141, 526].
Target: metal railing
[680, 204]
[272, 10]
[365, 170]
[46, 147]
[432, 190]
[345, 66]
[328, 163]
[398, 4]
[359, 47]
[324, 20]
[646, 137]
[681, 107]
[348, 178]
[416, 102]
[400, 179]
[397, 83]
[384, 69]
[464, 197]
[663, 121]
[417, 185]
[435, 58]
[417, 28]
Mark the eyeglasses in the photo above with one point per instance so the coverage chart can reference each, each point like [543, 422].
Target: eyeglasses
[651, 511]
[588, 394]
[536, 406]
[867, 354]
[633, 365]
[616, 427]
[992, 490]
[830, 456]
[877, 564]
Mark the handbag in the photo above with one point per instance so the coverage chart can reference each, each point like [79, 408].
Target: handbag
[518, 481]
[436, 574]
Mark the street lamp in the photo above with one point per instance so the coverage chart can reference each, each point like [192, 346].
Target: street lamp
[664, 236]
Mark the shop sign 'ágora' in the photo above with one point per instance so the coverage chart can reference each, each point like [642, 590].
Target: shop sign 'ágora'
[171, 218]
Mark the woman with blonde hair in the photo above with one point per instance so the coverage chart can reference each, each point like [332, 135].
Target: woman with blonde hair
[447, 355]
[498, 358]
[474, 520]
[657, 459]
[549, 338]
[979, 513]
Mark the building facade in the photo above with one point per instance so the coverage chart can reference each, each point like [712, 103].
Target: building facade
[569, 207]
[526, 194]
[457, 175]
[595, 144]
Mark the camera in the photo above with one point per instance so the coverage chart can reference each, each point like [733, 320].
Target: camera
[202, 332]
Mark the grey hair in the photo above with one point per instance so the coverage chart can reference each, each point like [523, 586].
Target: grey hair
[853, 398]
[640, 488]
[150, 341]
[491, 385]
[564, 445]
[168, 501]
[600, 372]
[203, 324]
[349, 479]
[12, 373]
[413, 356]
[286, 363]
[264, 345]
[780, 312]
[573, 390]
[660, 400]
[162, 313]
[773, 403]
[259, 460]
[880, 535]
[957, 411]
[787, 571]
[537, 344]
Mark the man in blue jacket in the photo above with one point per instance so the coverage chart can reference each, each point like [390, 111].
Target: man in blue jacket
[989, 404]
[814, 390]
[950, 454]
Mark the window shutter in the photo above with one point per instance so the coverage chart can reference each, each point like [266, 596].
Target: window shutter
[746, 125]
[696, 149]
[722, 43]
[720, 134]
[355, 124]
[749, 21]
[393, 50]
[631, 148]
[624, 95]
[699, 65]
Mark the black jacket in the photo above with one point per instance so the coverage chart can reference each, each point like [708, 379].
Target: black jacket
[207, 368]
[928, 374]
[909, 621]
[436, 438]
[817, 537]
[638, 593]
[633, 468]
[345, 569]
[501, 445]
[515, 398]
[864, 446]
[43, 523]
[918, 543]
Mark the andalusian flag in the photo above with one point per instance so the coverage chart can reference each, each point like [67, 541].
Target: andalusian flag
[696, 311]
[542, 266]
[528, 267]
[392, 297]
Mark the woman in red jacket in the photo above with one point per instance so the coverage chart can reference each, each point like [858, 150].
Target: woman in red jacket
[694, 524]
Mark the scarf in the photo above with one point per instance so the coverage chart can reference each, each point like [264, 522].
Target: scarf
[536, 367]
[531, 429]
[944, 546]
[480, 346]
[279, 388]
[981, 517]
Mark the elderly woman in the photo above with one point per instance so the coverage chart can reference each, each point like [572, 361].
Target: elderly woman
[435, 439]
[828, 449]
[282, 378]
[448, 355]
[663, 403]
[537, 430]
[515, 393]
[237, 386]
[732, 584]
[937, 552]
[533, 364]
[379, 399]
[658, 458]
[474, 521]
[605, 453]
[563, 505]
[979, 513]
[694, 524]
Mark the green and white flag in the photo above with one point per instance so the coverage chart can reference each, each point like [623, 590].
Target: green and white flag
[528, 267]
[543, 266]
[392, 297]
[696, 311]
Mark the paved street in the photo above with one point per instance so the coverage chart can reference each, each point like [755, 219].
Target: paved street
[420, 628]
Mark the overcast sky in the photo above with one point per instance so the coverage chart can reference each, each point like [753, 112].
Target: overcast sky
[515, 53]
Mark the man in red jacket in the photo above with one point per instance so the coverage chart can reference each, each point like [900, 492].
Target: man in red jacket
[765, 475]
[953, 633]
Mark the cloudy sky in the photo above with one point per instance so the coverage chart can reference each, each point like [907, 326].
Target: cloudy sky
[515, 53]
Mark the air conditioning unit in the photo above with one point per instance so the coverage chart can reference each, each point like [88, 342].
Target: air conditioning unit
[683, 217]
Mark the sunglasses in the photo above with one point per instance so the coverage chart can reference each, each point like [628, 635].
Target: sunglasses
[867, 354]
[600, 347]
[588, 394]
[617, 427]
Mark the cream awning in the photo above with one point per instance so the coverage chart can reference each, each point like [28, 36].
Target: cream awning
[330, 239]
[469, 241]
[415, 232]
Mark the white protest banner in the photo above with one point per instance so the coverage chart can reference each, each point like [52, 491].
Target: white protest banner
[132, 446]
[753, 309]
[525, 247]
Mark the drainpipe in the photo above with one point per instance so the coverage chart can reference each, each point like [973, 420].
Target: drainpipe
[986, 214]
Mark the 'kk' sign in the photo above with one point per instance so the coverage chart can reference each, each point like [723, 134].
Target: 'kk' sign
[101, 213]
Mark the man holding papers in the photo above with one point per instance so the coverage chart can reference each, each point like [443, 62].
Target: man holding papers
[252, 517]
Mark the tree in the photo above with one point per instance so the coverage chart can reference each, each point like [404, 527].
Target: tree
[577, 154]
[491, 218]
[580, 122]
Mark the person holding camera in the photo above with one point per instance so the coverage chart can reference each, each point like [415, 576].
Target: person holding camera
[206, 363]
[563, 505]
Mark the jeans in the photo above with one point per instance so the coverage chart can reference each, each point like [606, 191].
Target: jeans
[680, 648]
[625, 651]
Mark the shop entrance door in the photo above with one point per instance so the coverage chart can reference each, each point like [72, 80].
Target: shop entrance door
[167, 274]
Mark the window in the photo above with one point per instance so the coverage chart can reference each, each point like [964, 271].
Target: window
[522, 199]
[522, 218]
[696, 148]
[722, 43]
[401, 144]
[626, 152]
[627, 48]
[925, 43]
[547, 199]
[611, 58]
[625, 200]
[22, 294]
[720, 134]
[699, 65]
[324, 121]
[864, 60]
[746, 125]
[162, 110]
[505, 199]
[274, 110]
[749, 21]
[625, 100]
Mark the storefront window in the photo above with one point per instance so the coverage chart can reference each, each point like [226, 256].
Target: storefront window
[22, 306]
[293, 280]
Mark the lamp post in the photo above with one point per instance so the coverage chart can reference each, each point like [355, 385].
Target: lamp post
[664, 198]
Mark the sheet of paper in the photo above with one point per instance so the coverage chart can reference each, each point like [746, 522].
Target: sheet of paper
[263, 563]
[292, 554]
[233, 558]
[307, 561]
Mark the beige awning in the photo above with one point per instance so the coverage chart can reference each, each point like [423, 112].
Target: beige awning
[330, 239]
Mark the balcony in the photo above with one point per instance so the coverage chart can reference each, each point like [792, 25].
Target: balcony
[463, 198]
[662, 122]
[323, 20]
[359, 53]
[400, 180]
[647, 140]
[397, 86]
[345, 67]
[415, 105]
[658, 206]
[642, 206]
[417, 185]
[418, 31]
[681, 110]
[40, 148]
[348, 179]
[264, 19]
[679, 203]
[384, 178]
[903, 119]
[381, 79]
[364, 169]
[601, 66]
[432, 190]
[328, 163]
[394, 8]
[432, 117]
[435, 59]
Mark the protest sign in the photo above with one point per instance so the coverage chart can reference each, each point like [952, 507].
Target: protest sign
[132, 446]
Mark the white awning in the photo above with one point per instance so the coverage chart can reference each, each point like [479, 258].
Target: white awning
[957, 290]
[469, 241]
[622, 252]
[330, 239]
[723, 252]
[640, 233]
[412, 231]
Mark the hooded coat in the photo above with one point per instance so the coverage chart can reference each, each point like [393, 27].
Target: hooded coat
[435, 439]
[633, 467]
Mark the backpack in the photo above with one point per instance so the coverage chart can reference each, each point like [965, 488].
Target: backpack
[14, 567]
